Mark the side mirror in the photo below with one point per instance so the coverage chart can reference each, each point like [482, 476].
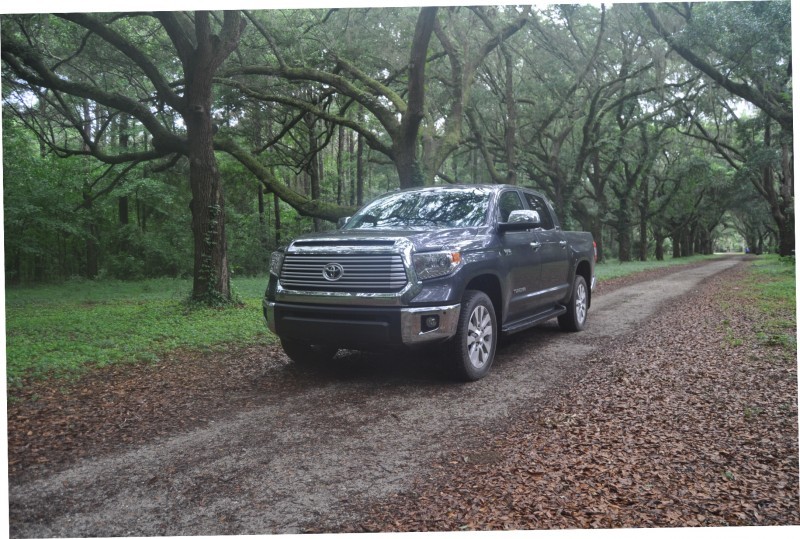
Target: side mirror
[521, 220]
[342, 221]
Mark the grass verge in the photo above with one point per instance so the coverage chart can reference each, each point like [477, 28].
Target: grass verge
[613, 269]
[771, 288]
[63, 329]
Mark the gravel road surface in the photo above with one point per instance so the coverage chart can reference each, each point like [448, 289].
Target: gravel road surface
[315, 455]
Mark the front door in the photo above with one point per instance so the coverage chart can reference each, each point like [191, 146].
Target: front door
[521, 259]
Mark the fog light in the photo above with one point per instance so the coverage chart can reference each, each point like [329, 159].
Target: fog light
[430, 322]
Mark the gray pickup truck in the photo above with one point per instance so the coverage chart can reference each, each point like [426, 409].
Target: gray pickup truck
[453, 267]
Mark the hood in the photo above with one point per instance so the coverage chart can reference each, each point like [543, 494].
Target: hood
[456, 239]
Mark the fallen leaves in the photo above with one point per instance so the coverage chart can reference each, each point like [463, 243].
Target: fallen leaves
[52, 423]
[675, 425]
[679, 424]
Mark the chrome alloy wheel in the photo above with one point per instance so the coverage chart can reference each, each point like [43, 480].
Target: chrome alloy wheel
[581, 300]
[480, 336]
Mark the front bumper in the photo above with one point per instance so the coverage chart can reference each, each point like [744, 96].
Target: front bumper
[361, 328]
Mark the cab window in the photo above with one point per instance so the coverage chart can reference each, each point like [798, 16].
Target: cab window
[538, 204]
[508, 202]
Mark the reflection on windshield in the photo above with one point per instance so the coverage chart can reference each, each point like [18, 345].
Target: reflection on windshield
[425, 209]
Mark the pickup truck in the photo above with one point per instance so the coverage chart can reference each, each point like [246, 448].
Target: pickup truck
[454, 267]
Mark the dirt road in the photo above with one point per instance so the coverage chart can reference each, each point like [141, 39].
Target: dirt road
[315, 454]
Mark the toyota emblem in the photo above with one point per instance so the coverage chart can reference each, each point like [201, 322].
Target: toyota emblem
[332, 271]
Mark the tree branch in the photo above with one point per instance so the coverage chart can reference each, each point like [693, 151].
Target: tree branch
[303, 205]
[29, 66]
[775, 105]
[114, 39]
[386, 117]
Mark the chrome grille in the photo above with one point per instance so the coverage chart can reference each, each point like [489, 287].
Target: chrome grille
[359, 272]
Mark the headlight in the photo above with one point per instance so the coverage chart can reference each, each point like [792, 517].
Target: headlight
[432, 265]
[275, 263]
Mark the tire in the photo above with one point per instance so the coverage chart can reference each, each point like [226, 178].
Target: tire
[577, 308]
[308, 354]
[471, 352]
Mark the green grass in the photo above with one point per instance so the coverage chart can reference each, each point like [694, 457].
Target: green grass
[612, 268]
[63, 329]
[771, 284]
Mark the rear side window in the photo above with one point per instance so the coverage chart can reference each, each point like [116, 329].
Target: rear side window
[538, 204]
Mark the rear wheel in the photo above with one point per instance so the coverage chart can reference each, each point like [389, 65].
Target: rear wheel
[473, 348]
[577, 308]
[308, 354]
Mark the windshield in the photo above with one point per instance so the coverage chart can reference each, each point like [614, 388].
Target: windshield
[438, 208]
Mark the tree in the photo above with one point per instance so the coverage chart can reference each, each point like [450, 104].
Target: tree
[200, 52]
[614, 112]
[465, 57]
[745, 48]
[345, 77]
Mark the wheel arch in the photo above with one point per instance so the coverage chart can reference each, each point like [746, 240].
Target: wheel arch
[490, 285]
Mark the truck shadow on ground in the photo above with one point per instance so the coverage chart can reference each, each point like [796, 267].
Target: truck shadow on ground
[416, 366]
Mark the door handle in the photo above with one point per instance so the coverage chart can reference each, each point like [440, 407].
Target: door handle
[563, 243]
[535, 245]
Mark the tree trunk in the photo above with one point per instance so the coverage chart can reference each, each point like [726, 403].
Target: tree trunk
[92, 247]
[407, 165]
[277, 203]
[677, 243]
[687, 243]
[313, 167]
[263, 227]
[511, 121]
[360, 172]
[785, 222]
[659, 241]
[405, 140]
[263, 216]
[644, 211]
[261, 209]
[786, 238]
[643, 244]
[596, 229]
[351, 152]
[624, 231]
[211, 273]
[201, 57]
[123, 202]
[340, 167]
[123, 211]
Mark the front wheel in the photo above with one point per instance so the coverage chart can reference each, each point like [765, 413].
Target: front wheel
[472, 349]
[577, 308]
[308, 354]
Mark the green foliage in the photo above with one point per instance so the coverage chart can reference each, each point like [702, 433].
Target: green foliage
[612, 268]
[750, 35]
[62, 330]
[39, 197]
[603, 112]
[47, 227]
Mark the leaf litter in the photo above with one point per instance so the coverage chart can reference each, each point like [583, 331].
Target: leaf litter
[674, 425]
[678, 424]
